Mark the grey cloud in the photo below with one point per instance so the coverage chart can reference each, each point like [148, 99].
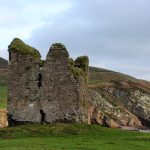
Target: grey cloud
[112, 32]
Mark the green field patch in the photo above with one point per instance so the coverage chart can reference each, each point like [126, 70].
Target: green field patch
[71, 137]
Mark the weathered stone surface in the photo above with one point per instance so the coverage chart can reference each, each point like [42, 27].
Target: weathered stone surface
[23, 90]
[61, 94]
[135, 100]
[45, 92]
[3, 118]
[106, 111]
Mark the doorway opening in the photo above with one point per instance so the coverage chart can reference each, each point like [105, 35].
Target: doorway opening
[43, 116]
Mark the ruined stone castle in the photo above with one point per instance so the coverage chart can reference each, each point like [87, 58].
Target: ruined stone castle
[49, 91]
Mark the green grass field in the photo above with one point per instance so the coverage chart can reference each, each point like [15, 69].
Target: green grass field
[71, 137]
[68, 136]
[3, 97]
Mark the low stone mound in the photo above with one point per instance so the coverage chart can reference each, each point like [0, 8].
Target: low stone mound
[3, 118]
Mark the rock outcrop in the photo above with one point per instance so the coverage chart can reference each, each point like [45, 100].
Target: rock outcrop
[3, 118]
[121, 101]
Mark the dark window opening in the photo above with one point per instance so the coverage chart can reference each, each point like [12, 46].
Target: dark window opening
[40, 80]
[43, 116]
[27, 67]
[9, 56]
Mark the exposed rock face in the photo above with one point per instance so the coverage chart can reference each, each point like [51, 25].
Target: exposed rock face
[44, 93]
[108, 112]
[137, 101]
[3, 118]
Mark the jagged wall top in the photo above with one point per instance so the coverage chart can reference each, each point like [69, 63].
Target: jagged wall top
[57, 55]
[58, 50]
[19, 46]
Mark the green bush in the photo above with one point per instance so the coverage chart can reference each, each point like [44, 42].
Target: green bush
[83, 63]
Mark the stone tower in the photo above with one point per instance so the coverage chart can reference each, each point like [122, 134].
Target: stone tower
[49, 92]
[23, 90]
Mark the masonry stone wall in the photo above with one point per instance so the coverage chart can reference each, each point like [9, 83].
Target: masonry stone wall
[45, 92]
[23, 90]
[61, 92]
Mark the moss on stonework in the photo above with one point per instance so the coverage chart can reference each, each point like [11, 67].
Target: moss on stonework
[76, 70]
[58, 49]
[83, 63]
[71, 62]
[19, 46]
[42, 62]
[59, 45]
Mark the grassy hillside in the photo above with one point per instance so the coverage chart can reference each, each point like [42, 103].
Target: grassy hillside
[3, 96]
[71, 136]
[98, 75]
[3, 63]
[102, 77]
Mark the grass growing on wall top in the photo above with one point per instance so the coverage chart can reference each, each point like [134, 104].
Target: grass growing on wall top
[19, 46]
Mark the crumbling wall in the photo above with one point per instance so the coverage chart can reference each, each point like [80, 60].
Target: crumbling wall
[62, 92]
[49, 92]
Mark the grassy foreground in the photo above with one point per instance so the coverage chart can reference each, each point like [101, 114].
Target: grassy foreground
[71, 137]
[68, 136]
[3, 97]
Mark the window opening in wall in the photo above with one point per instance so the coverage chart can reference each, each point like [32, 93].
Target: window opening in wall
[9, 56]
[43, 116]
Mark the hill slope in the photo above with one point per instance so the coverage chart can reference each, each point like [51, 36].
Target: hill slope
[3, 71]
[3, 63]
[119, 99]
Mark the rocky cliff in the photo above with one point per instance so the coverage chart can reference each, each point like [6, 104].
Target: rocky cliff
[118, 100]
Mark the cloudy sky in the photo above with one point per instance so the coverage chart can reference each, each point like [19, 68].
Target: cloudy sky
[115, 34]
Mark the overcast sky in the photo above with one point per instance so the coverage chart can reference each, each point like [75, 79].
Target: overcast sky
[115, 34]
